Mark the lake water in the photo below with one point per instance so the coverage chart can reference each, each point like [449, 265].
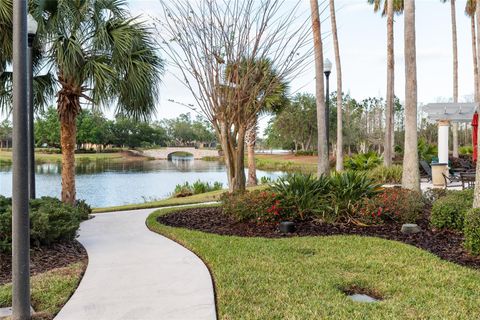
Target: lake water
[111, 183]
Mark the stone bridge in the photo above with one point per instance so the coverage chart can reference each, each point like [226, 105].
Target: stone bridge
[165, 153]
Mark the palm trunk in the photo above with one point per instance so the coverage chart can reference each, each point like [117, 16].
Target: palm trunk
[455, 74]
[387, 158]
[323, 163]
[251, 139]
[338, 66]
[474, 53]
[476, 195]
[411, 174]
[68, 132]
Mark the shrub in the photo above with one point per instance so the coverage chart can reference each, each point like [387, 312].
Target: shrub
[433, 194]
[50, 221]
[259, 206]
[198, 187]
[382, 174]
[347, 190]
[426, 151]
[472, 231]
[449, 212]
[392, 204]
[301, 194]
[466, 150]
[363, 161]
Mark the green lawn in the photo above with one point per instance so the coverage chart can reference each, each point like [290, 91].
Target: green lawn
[195, 199]
[286, 162]
[50, 290]
[6, 156]
[301, 278]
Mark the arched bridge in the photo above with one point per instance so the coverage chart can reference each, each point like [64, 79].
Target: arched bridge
[166, 152]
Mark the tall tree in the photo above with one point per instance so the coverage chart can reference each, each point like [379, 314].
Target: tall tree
[323, 161]
[102, 57]
[470, 8]
[338, 69]
[453, 15]
[388, 9]
[411, 174]
[215, 45]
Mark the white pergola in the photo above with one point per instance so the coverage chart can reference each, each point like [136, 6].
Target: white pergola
[444, 114]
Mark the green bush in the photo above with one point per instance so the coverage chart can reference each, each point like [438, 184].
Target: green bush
[426, 151]
[347, 190]
[198, 187]
[301, 194]
[472, 231]
[362, 161]
[466, 150]
[50, 221]
[382, 174]
[392, 204]
[448, 212]
[258, 206]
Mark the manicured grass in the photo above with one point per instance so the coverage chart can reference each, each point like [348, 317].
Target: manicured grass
[6, 156]
[302, 277]
[195, 199]
[286, 162]
[50, 290]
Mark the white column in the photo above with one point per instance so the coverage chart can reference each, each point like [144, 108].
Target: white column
[443, 141]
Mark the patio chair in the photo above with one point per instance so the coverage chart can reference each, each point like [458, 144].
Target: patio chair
[427, 169]
[468, 180]
[452, 181]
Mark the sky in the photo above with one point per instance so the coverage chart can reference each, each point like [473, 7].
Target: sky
[362, 38]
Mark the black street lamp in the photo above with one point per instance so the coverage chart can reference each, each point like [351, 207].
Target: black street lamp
[32, 27]
[20, 217]
[327, 69]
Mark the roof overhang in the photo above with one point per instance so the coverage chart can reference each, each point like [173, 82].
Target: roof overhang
[454, 112]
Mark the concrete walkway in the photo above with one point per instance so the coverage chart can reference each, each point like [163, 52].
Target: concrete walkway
[134, 273]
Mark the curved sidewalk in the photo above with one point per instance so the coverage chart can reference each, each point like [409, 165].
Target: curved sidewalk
[134, 273]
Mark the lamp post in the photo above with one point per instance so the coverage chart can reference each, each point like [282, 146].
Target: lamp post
[327, 69]
[20, 218]
[32, 27]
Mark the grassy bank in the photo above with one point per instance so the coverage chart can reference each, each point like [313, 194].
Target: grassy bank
[303, 277]
[286, 162]
[50, 290]
[6, 156]
[195, 199]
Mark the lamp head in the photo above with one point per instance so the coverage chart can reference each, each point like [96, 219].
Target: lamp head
[32, 25]
[327, 66]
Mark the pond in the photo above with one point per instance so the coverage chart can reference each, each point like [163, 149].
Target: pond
[111, 183]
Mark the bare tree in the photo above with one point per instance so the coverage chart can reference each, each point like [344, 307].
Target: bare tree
[338, 67]
[323, 161]
[215, 46]
[411, 174]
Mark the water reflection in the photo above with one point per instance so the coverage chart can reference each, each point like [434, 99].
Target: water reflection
[112, 182]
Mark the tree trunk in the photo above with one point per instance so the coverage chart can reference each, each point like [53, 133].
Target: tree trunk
[455, 74]
[411, 174]
[323, 163]
[233, 152]
[251, 139]
[68, 132]
[338, 66]
[476, 196]
[387, 158]
[475, 61]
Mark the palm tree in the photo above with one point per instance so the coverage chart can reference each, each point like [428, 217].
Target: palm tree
[411, 174]
[389, 8]
[338, 67]
[470, 8]
[323, 163]
[101, 57]
[455, 71]
[276, 98]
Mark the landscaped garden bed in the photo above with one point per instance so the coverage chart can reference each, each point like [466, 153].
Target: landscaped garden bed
[446, 244]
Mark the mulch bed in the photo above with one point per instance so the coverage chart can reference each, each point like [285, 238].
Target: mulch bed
[446, 244]
[45, 258]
